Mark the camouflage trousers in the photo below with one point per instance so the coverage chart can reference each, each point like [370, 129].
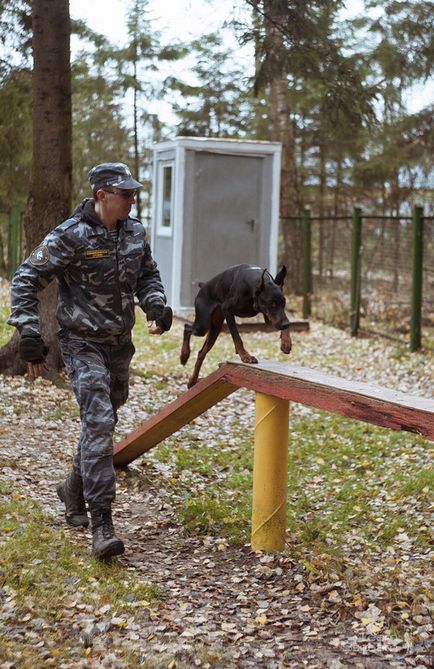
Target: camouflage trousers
[99, 376]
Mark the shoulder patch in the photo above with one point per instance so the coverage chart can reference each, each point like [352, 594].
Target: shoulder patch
[40, 256]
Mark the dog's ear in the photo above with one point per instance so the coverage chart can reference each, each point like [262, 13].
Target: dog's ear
[260, 284]
[280, 277]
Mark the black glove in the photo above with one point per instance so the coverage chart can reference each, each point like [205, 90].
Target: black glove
[32, 349]
[161, 315]
[154, 311]
[164, 322]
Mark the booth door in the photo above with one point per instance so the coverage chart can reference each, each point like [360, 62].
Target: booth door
[226, 213]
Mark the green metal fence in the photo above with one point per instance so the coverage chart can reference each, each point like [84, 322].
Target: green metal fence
[372, 274]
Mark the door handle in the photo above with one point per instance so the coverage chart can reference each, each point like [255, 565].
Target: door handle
[251, 222]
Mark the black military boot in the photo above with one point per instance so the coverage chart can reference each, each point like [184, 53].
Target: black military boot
[71, 494]
[105, 543]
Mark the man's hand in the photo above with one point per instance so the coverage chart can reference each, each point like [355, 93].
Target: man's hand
[162, 316]
[32, 350]
[164, 321]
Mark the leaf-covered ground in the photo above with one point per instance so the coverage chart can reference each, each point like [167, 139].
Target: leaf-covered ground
[352, 589]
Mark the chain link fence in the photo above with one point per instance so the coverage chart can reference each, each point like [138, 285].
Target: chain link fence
[370, 286]
[331, 270]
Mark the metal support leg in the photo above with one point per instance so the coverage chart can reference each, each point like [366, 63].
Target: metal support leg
[270, 473]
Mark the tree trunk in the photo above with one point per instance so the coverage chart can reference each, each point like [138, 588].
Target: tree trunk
[282, 131]
[136, 134]
[50, 191]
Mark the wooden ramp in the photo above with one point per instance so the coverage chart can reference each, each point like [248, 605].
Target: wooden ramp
[362, 401]
[173, 416]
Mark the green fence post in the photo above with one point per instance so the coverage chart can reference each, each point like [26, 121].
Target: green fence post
[307, 263]
[356, 267]
[417, 277]
[14, 245]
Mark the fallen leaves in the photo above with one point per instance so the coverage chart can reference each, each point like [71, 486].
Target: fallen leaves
[220, 605]
[372, 618]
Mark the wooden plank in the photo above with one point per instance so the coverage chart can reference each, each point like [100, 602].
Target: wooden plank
[363, 401]
[249, 325]
[258, 326]
[173, 416]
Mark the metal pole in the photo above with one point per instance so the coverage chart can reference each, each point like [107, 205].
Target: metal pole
[417, 279]
[307, 263]
[356, 270]
[270, 473]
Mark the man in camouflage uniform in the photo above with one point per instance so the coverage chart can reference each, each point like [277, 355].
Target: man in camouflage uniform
[102, 261]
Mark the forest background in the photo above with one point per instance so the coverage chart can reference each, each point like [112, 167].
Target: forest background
[355, 578]
[348, 97]
[351, 131]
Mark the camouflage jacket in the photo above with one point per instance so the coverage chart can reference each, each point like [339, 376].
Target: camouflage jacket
[97, 278]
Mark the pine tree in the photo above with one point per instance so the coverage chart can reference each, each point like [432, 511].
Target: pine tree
[218, 103]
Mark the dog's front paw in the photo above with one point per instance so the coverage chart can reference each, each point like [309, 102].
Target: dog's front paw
[285, 341]
[185, 354]
[249, 359]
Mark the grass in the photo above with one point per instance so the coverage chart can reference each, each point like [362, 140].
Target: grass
[330, 457]
[356, 493]
[52, 587]
[49, 580]
[210, 486]
[353, 489]
[6, 331]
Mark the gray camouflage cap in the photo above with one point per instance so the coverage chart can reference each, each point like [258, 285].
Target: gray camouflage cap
[112, 174]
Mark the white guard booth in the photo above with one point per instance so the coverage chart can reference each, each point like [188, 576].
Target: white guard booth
[215, 204]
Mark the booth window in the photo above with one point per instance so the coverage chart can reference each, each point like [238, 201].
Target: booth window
[166, 199]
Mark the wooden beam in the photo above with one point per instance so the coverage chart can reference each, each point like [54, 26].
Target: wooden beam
[173, 416]
[249, 325]
[271, 380]
[255, 326]
[354, 399]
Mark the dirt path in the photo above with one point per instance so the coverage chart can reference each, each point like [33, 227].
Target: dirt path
[243, 609]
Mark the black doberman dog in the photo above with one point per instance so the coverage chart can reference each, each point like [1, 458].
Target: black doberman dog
[243, 291]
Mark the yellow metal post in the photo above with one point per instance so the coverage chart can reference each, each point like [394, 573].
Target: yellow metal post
[270, 473]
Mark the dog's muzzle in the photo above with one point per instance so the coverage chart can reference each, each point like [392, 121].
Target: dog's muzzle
[283, 324]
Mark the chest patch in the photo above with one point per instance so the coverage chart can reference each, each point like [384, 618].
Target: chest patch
[40, 255]
[97, 253]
